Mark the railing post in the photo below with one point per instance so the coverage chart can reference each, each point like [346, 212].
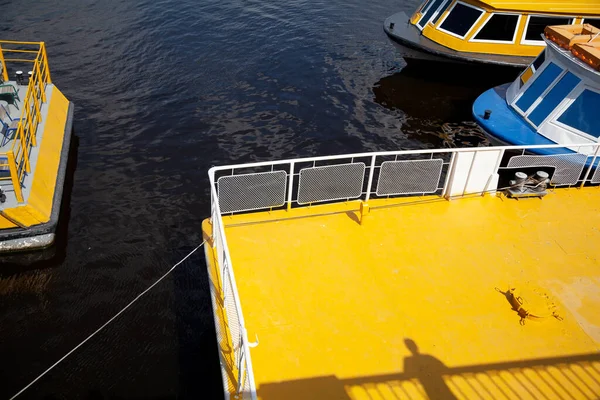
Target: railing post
[494, 174]
[35, 121]
[449, 176]
[38, 78]
[23, 147]
[290, 186]
[14, 176]
[241, 369]
[589, 170]
[370, 182]
[4, 71]
[45, 58]
[470, 171]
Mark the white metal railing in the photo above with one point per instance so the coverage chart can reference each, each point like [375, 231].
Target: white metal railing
[242, 378]
[303, 182]
[362, 176]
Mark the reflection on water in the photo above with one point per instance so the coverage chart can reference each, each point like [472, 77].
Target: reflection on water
[163, 90]
[435, 101]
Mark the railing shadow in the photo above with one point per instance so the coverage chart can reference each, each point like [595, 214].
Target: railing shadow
[425, 376]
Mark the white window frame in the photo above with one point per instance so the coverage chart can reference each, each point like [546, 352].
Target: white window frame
[525, 87]
[423, 13]
[533, 68]
[566, 98]
[540, 42]
[435, 14]
[514, 38]
[562, 108]
[552, 114]
[540, 98]
[441, 22]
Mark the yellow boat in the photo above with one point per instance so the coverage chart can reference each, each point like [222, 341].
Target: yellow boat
[35, 133]
[504, 32]
[466, 273]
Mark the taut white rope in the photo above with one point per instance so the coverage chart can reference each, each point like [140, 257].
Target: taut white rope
[107, 322]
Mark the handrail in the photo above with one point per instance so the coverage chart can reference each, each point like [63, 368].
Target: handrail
[25, 136]
[401, 152]
[244, 383]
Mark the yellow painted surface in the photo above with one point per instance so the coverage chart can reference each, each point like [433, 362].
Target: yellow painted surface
[570, 9]
[528, 73]
[38, 207]
[409, 304]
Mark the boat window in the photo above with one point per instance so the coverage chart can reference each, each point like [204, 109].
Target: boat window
[541, 83]
[583, 113]
[460, 19]
[441, 11]
[537, 63]
[428, 12]
[553, 98]
[592, 21]
[529, 71]
[537, 24]
[499, 28]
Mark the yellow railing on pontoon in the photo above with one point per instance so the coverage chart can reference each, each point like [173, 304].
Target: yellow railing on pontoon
[17, 158]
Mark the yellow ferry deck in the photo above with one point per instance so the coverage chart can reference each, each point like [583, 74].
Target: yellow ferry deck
[338, 306]
[409, 298]
[35, 133]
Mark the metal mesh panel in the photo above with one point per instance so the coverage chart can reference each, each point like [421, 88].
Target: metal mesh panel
[251, 191]
[406, 177]
[596, 176]
[568, 166]
[334, 182]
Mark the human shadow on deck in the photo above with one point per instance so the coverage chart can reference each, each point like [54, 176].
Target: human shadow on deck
[425, 376]
[428, 370]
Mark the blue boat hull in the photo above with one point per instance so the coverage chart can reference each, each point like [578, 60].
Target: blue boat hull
[505, 127]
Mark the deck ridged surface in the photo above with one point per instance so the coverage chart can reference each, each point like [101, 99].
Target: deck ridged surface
[405, 305]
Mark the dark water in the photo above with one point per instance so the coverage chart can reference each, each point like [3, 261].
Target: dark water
[164, 90]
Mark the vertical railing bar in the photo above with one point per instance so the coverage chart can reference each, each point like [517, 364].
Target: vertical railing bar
[449, 174]
[39, 79]
[45, 58]
[500, 157]
[589, 170]
[4, 69]
[290, 186]
[239, 365]
[470, 171]
[371, 173]
[14, 175]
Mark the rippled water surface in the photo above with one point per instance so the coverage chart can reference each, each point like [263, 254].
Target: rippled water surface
[163, 90]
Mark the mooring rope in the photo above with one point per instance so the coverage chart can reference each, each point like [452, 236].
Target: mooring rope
[107, 322]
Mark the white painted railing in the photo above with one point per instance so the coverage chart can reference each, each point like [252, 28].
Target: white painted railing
[239, 377]
[307, 181]
[445, 172]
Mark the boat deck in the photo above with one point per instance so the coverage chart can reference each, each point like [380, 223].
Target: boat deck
[408, 304]
[7, 145]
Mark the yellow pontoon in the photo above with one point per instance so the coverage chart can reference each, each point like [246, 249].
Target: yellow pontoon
[504, 32]
[408, 275]
[35, 133]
